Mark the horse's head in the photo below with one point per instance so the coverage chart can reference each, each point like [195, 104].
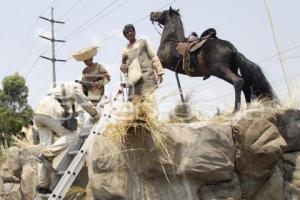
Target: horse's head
[164, 16]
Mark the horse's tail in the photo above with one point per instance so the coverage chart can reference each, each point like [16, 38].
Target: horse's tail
[255, 78]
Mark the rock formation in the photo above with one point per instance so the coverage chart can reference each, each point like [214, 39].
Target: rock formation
[254, 155]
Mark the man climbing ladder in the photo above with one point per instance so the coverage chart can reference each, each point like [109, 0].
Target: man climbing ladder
[69, 175]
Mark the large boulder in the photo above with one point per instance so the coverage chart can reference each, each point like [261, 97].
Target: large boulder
[197, 154]
[29, 167]
[10, 170]
[259, 148]
[291, 171]
[19, 173]
[273, 188]
[226, 190]
[11, 191]
[289, 128]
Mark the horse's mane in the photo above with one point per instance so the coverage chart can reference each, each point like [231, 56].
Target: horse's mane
[178, 25]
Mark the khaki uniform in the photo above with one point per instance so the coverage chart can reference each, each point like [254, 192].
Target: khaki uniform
[149, 63]
[96, 74]
[47, 118]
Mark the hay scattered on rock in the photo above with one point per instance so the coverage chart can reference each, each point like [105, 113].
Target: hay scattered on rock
[22, 143]
[75, 193]
[143, 116]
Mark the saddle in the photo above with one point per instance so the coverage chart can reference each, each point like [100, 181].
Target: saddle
[187, 49]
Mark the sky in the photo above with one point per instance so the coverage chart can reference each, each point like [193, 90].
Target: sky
[90, 22]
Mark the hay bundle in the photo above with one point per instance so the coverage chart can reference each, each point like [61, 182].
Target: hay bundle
[142, 115]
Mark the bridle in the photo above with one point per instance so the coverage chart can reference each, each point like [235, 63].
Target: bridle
[153, 23]
[160, 26]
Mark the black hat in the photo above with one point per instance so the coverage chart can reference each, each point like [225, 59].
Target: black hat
[127, 28]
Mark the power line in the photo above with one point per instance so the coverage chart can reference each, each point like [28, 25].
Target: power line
[282, 63]
[75, 13]
[291, 57]
[80, 9]
[71, 8]
[35, 62]
[87, 21]
[135, 22]
[46, 49]
[282, 52]
[26, 38]
[30, 50]
[115, 8]
[90, 24]
[46, 82]
[39, 75]
[22, 45]
[48, 7]
[111, 36]
[97, 20]
[30, 69]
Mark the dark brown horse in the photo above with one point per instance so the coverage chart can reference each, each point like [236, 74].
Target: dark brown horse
[216, 57]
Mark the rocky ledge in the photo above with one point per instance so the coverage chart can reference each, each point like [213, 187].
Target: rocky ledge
[253, 155]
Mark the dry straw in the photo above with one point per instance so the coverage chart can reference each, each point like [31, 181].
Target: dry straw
[75, 193]
[22, 143]
[182, 112]
[141, 120]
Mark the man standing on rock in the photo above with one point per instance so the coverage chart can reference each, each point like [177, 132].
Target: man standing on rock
[141, 64]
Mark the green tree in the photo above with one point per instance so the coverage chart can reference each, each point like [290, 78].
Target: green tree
[14, 109]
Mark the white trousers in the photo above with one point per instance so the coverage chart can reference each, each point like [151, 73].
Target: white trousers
[48, 126]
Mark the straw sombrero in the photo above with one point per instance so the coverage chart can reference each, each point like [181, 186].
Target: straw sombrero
[85, 54]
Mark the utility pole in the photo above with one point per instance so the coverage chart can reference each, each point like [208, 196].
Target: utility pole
[53, 40]
[281, 60]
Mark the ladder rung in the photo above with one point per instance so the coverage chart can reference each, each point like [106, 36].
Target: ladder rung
[84, 136]
[73, 152]
[68, 176]
[44, 195]
[60, 173]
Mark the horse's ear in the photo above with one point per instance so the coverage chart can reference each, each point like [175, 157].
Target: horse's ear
[177, 11]
[170, 9]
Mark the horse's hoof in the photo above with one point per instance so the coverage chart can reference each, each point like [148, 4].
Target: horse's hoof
[206, 77]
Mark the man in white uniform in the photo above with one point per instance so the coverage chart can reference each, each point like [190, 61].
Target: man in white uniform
[49, 115]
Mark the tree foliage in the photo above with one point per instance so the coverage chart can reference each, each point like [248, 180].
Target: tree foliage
[14, 109]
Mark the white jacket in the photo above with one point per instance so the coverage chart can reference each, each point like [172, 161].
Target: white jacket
[51, 107]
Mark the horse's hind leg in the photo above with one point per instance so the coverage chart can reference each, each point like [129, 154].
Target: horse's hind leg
[226, 74]
[247, 92]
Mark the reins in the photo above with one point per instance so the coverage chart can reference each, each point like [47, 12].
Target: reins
[156, 28]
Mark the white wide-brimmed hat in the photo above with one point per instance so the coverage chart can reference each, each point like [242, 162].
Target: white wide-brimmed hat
[85, 54]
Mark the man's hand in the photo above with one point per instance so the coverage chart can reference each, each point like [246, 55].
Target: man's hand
[124, 68]
[94, 84]
[87, 84]
[97, 116]
[160, 78]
